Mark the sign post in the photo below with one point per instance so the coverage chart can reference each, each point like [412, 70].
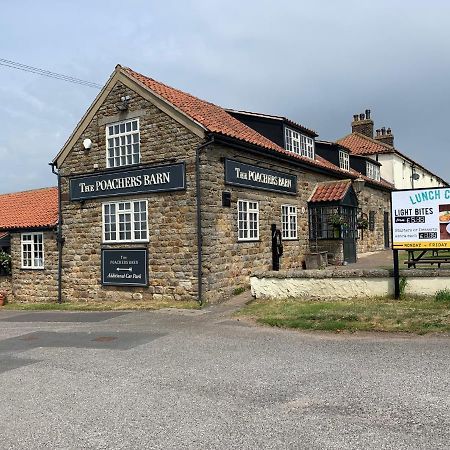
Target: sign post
[396, 276]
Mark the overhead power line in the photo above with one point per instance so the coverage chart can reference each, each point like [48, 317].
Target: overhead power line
[47, 73]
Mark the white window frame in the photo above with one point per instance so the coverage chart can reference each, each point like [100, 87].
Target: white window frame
[298, 143]
[133, 222]
[37, 256]
[289, 212]
[246, 233]
[120, 151]
[344, 160]
[372, 171]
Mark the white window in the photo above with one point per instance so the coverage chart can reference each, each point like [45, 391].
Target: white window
[344, 160]
[289, 221]
[32, 250]
[122, 143]
[125, 221]
[248, 220]
[299, 143]
[373, 171]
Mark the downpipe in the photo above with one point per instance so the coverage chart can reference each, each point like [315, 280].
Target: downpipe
[59, 236]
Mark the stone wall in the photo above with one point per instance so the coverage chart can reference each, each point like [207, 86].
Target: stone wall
[34, 285]
[171, 215]
[228, 262]
[6, 286]
[345, 284]
[379, 202]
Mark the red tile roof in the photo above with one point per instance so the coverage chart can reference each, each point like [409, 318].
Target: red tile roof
[217, 120]
[330, 191]
[358, 144]
[29, 209]
[212, 117]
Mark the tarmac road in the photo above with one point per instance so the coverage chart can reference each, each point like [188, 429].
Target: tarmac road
[200, 380]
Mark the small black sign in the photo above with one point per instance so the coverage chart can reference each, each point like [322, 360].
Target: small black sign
[136, 181]
[247, 175]
[124, 267]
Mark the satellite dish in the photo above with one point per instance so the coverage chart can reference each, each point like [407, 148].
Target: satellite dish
[415, 176]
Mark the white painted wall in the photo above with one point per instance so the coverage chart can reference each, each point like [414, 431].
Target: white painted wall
[342, 288]
[398, 170]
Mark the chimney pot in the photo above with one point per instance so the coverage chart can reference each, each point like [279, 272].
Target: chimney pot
[363, 124]
[389, 131]
[383, 131]
[378, 132]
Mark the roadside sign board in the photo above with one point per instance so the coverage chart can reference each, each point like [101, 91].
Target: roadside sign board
[421, 219]
[124, 267]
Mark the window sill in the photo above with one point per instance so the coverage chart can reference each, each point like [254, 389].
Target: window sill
[32, 268]
[243, 241]
[124, 242]
[122, 167]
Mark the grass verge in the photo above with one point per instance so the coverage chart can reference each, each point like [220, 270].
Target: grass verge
[101, 306]
[413, 315]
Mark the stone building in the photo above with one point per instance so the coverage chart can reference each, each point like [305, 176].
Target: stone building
[164, 195]
[28, 222]
[193, 189]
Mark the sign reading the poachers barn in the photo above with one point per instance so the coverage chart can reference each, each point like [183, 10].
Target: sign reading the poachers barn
[124, 267]
[129, 182]
[247, 175]
[421, 219]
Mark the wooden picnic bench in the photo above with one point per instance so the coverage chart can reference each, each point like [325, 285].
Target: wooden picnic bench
[434, 258]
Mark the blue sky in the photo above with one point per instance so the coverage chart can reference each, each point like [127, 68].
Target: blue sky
[316, 62]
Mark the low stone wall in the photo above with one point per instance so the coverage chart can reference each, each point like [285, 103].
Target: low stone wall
[344, 284]
[6, 286]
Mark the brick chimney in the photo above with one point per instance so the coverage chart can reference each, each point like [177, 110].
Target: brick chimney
[385, 136]
[363, 124]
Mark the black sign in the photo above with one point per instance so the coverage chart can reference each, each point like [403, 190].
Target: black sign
[136, 181]
[247, 175]
[124, 267]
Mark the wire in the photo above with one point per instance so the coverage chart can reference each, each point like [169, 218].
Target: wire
[47, 73]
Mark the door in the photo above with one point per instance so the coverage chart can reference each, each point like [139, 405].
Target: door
[349, 235]
[386, 230]
[349, 247]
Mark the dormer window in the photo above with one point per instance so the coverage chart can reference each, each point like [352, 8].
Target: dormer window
[372, 171]
[344, 160]
[299, 143]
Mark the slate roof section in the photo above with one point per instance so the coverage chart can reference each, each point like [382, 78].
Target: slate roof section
[272, 117]
[30, 209]
[330, 191]
[359, 144]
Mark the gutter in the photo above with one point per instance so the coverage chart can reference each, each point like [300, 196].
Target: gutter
[59, 236]
[198, 194]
